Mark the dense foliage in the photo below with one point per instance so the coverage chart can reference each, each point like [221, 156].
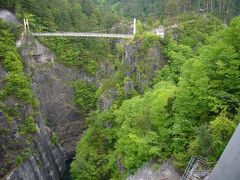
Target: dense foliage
[192, 110]
[153, 9]
[15, 97]
[16, 84]
[188, 107]
[105, 16]
[84, 96]
[73, 16]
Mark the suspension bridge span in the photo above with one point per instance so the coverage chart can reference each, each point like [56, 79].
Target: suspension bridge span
[79, 34]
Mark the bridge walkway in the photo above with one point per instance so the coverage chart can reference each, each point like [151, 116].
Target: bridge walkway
[83, 34]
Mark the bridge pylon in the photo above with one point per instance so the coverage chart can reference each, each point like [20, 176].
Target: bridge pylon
[26, 26]
[134, 26]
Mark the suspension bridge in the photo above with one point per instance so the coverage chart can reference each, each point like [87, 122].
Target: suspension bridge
[79, 34]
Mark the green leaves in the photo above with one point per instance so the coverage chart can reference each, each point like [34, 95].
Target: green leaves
[134, 133]
[221, 130]
[16, 83]
[231, 35]
[192, 109]
[211, 139]
[209, 85]
[94, 156]
[143, 124]
[12, 62]
[183, 113]
[17, 104]
[84, 96]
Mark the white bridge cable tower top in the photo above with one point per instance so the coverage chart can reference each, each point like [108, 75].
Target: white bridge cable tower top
[135, 26]
[82, 34]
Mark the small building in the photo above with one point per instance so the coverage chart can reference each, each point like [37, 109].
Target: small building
[160, 31]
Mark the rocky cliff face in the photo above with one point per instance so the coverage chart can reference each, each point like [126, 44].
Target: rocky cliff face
[57, 116]
[140, 62]
[52, 86]
[46, 163]
[8, 17]
[51, 83]
[47, 160]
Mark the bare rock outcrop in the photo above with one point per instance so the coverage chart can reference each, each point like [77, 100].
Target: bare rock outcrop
[142, 66]
[52, 84]
[8, 17]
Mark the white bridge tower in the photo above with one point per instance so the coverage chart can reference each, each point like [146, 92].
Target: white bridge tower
[26, 26]
[135, 26]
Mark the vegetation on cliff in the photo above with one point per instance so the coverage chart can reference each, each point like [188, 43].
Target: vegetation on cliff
[15, 98]
[188, 105]
[191, 110]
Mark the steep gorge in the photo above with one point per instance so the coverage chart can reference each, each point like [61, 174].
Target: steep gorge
[57, 116]
[24, 144]
[51, 83]
[111, 106]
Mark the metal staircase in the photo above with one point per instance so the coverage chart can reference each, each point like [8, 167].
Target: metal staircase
[165, 172]
[197, 169]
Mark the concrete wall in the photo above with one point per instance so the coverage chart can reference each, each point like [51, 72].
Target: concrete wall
[228, 166]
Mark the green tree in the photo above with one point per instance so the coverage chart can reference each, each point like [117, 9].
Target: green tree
[139, 27]
[211, 140]
[93, 151]
[84, 96]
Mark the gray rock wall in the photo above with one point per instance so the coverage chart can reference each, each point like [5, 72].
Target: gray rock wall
[8, 17]
[47, 163]
[52, 84]
[138, 68]
[142, 67]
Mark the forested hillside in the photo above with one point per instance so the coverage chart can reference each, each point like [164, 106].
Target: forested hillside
[150, 97]
[192, 109]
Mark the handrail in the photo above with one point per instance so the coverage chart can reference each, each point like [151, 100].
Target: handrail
[83, 34]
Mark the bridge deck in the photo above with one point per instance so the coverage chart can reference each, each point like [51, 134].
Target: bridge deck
[75, 34]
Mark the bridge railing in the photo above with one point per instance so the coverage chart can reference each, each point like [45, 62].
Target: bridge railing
[83, 34]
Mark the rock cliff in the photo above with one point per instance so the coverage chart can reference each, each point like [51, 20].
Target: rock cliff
[52, 85]
[140, 61]
[57, 116]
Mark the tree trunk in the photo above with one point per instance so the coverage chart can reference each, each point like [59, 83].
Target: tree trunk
[220, 7]
[227, 11]
[228, 8]
[207, 7]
